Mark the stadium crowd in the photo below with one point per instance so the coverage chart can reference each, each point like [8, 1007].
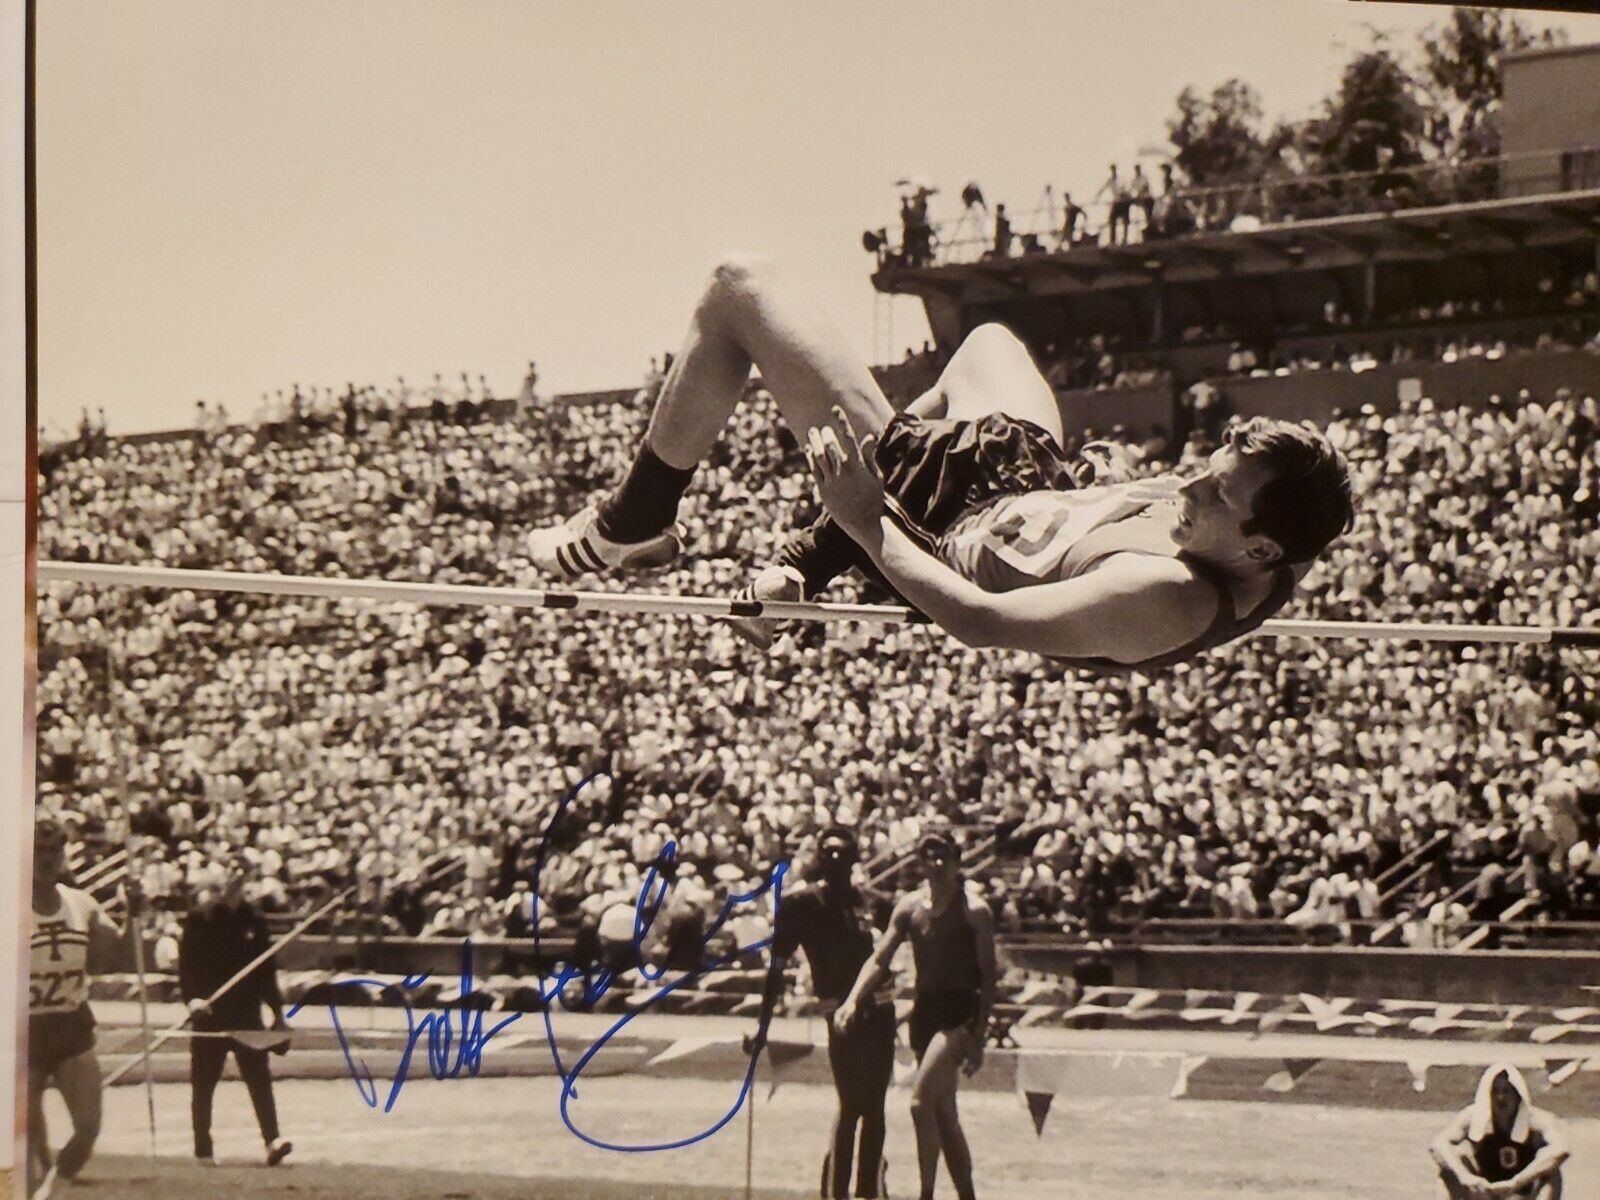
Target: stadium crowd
[421, 752]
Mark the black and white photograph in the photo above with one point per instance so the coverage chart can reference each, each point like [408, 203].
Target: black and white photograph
[721, 600]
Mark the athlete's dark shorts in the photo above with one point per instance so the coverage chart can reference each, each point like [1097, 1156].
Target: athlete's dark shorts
[934, 471]
[55, 1037]
[935, 1012]
[862, 1057]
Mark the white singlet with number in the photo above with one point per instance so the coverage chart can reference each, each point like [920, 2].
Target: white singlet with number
[1028, 539]
[58, 975]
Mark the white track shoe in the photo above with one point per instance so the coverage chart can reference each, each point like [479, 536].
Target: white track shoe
[576, 547]
[772, 583]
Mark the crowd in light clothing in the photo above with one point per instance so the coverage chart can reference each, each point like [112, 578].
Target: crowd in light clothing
[345, 742]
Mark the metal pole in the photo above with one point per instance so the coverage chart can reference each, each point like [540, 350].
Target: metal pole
[135, 919]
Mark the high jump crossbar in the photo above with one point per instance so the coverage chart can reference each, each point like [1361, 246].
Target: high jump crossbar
[643, 603]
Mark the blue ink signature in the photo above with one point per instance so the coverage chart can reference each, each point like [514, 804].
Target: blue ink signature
[450, 1050]
[653, 891]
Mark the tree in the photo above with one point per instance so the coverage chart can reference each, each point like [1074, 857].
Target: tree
[1461, 60]
[1375, 120]
[1218, 138]
[1461, 70]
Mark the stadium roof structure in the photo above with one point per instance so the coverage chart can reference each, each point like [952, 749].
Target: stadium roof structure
[1495, 226]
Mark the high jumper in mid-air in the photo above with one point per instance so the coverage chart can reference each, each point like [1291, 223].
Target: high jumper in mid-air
[966, 504]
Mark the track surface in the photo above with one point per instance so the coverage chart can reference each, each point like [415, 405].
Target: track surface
[480, 1131]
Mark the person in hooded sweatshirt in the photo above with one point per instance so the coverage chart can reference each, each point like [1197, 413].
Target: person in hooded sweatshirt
[1501, 1145]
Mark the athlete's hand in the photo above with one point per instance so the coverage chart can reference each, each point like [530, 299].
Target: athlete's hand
[847, 475]
[198, 1006]
[974, 1058]
[844, 1016]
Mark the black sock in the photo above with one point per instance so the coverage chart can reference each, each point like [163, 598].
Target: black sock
[821, 553]
[646, 501]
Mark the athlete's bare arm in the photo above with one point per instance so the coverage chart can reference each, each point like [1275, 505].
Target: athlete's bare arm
[983, 936]
[1551, 1155]
[1132, 608]
[876, 969]
[105, 935]
[1449, 1150]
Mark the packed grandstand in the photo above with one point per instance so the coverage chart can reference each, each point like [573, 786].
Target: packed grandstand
[1382, 792]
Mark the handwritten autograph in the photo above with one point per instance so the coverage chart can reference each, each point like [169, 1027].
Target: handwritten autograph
[457, 1039]
[449, 1051]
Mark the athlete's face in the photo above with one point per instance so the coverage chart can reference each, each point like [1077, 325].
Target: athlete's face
[1504, 1100]
[49, 861]
[836, 858]
[1216, 505]
[940, 864]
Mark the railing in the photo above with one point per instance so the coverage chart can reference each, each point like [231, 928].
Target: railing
[1393, 923]
[1188, 211]
[885, 866]
[1517, 908]
[1405, 860]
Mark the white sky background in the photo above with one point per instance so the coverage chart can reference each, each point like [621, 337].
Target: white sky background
[236, 196]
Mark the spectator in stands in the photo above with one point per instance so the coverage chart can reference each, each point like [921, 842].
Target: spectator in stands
[1072, 222]
[1002, 233]
[1120, 201]
[1140, 195]
[1498, 492]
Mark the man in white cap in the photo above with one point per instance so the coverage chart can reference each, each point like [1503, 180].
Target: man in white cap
[1501, 1145]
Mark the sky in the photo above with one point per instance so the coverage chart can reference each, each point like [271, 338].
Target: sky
[234, 197]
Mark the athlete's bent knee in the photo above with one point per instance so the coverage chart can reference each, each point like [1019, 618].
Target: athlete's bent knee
[740, 275]
[993, 336]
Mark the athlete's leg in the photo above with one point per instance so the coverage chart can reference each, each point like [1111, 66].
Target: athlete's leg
[841, 1154]
[843, 1065]
[79, 1082]
[1453, 1188]
[932, 1092]
[39, 1159]
[1547, 1188]
[992, 372]
[746, 316]
[877, 1074]
[952, 1138]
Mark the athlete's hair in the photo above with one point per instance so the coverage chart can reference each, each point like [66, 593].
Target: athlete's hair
[47, 831]
[1307, 502]
[940, 833]
[839, 833]
[834, 833]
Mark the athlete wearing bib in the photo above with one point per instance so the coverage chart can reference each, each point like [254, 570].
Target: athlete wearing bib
[60, 1024]
[67, 927]
[961, 504]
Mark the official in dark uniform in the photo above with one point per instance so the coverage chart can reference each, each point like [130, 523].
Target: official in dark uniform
[220, 938]
[1501, 1145]
[827, 917]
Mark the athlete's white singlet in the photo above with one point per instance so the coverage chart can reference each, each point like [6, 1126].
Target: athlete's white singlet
[58, 972]
[1048, 537]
